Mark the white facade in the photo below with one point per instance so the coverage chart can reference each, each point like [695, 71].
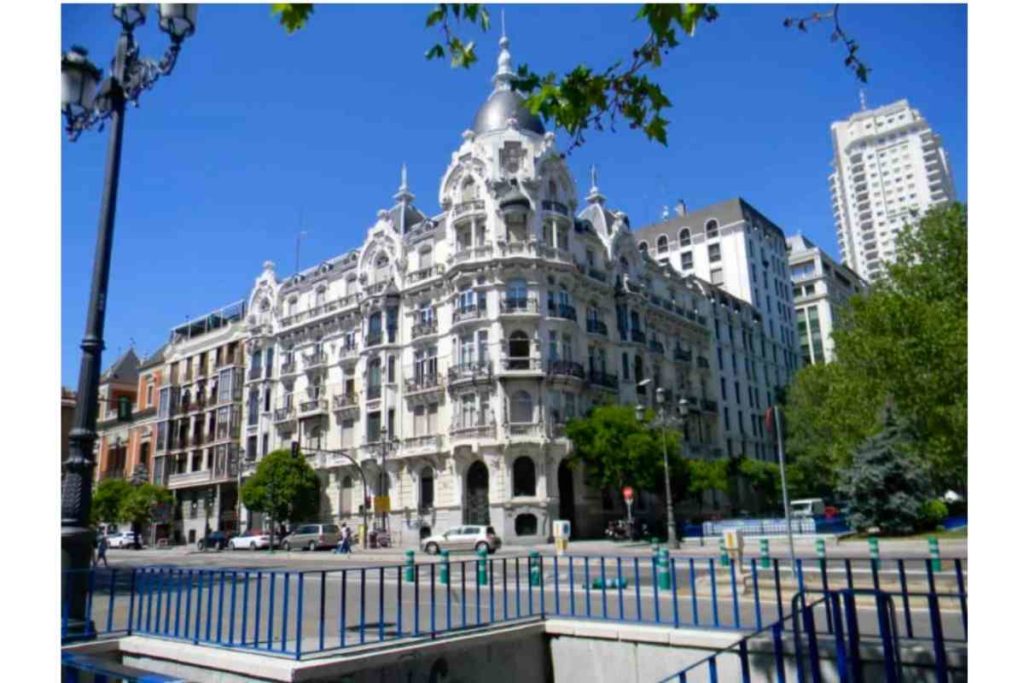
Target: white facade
[821, 287]
[446, 353]
[889, 167]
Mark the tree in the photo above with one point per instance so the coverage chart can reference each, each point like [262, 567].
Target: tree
[284, 486]
[139, 504]
[763, 480]
[618, 450]
[586, 98]
[905, 341]
[708, 475]
[108, 499]
[887, 485]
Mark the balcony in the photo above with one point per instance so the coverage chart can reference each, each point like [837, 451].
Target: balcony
[519, 306]
[424, 274]
[289, 367]
[373, 392]
[112, 473]
[183, 479]
[468, 254]
[637, 336]
[596, 274]
[554, 207]
[229, 360]
[374, 289]
[564, 311]
[471, 312]
[474, 206]
[472, 429]
[429, 443]
[656, 347]
[422, 382]
[554, 254]
[375, 338]
[517, 364]
[315, 361]
[524, 431]
[597, 327]
[255, 372]
[519, 248]
[348, 352]
[423, 328]
[345, 402]
[473, 371]
[314, 407]
[283, 416]
[566, 368]
[604, 380]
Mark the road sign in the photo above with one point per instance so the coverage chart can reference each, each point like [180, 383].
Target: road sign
[627, 493]
[381, 504]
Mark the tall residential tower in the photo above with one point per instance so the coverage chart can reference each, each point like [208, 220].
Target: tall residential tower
[888, 168]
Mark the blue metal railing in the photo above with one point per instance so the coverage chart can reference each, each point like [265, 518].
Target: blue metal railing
[293, 613]
[77, 667]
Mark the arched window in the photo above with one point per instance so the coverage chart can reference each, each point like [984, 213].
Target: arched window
[662, 244]
[642, 247]
[426, 488]
[519, 351]
[524, 477]
[469, 192]
[522, 408]
[684, 237]
[711, 228]
[526, 525]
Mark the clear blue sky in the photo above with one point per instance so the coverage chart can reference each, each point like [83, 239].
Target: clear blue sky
[256, 128]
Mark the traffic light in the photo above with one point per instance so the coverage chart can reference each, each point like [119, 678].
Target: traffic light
[295, 448]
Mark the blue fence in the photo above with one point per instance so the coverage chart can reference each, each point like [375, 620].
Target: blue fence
[294, 613]
[82, 668]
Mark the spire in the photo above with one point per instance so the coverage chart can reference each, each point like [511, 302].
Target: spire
[595, 196]
[404, 196]
[503, 77]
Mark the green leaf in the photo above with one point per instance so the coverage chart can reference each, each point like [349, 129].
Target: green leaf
[292, 16]
[436, 15]
[436, 51]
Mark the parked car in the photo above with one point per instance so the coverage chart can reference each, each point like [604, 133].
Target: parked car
[216, 540]
[124, 539]
[807, 507]
[253, 539]
[462, 538]
[312, 537]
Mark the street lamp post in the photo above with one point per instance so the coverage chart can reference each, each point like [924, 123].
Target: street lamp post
[664, 420]
[86, 103]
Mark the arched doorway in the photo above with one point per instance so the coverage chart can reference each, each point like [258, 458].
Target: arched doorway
[566, 496]
[477, 509]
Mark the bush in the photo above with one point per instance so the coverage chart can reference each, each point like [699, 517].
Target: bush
[933, 513]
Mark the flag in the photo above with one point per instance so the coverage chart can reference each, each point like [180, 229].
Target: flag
[773, 418]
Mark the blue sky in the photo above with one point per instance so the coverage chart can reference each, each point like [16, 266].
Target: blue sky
[257, 132]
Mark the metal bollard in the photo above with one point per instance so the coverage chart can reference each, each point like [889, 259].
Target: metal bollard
[534, 563]
[723, 554]
[664, 574]
[873, 549]
[481, 567]
[410, 571]
[819, 547]
[933, 550]
[766, 560]
[444, 568]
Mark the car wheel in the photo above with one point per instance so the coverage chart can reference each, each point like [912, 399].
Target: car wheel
[252, 546]
[287, 546]
[483, 545]
[432, 549]
[312, 546]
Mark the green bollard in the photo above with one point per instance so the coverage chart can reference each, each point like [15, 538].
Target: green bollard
[664, 573]
[410, 570]
[723, 554]
[766, 560]
[819, 547]
[481, 567]
[873, 549]
[444, 568]
[933, 550]
[534, 563]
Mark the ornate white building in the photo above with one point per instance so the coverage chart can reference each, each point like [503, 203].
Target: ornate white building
[447, 352]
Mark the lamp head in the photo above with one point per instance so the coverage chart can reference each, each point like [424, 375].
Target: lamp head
[131, 15]
[79, 78]
[178, 20]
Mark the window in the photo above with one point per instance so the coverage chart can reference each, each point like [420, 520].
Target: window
[521, 408]
[373, 426]
[524, 477]
[642, 247]
[426, 488]
[714, 252]
[662, 244]
[716, 277]
[684, 237]
[711, 228]
[348, 430]
[686, 260]
[526, 525]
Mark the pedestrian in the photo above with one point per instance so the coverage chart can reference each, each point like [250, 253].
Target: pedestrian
[345, 542]
[101, 551]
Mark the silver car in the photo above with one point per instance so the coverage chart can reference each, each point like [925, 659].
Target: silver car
[469, 537]
[312, 537]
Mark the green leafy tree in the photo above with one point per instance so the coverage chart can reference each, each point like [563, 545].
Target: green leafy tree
[107, 500]
[593, 98]
[708, 475]
[887, 484]
[283, 486]
[139, 505]
[617, 450]
[763, 480]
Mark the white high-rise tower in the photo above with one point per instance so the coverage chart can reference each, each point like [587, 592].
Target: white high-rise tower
[889, 168]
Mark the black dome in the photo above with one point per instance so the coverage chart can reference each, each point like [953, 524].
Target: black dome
[499, 108]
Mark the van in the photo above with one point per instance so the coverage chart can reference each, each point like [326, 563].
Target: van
[807, 507]
[312, 537]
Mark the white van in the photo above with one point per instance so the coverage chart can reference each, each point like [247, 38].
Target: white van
[807, 507]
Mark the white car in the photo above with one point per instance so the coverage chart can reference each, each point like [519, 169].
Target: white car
[463, 538]
[125, 539]
[253, 539]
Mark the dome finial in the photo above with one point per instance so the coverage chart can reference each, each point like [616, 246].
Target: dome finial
[503, 77]
[404, 196]
[595, 196]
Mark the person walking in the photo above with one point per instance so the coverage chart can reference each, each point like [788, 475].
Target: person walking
[101, 551]
[345, 543]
